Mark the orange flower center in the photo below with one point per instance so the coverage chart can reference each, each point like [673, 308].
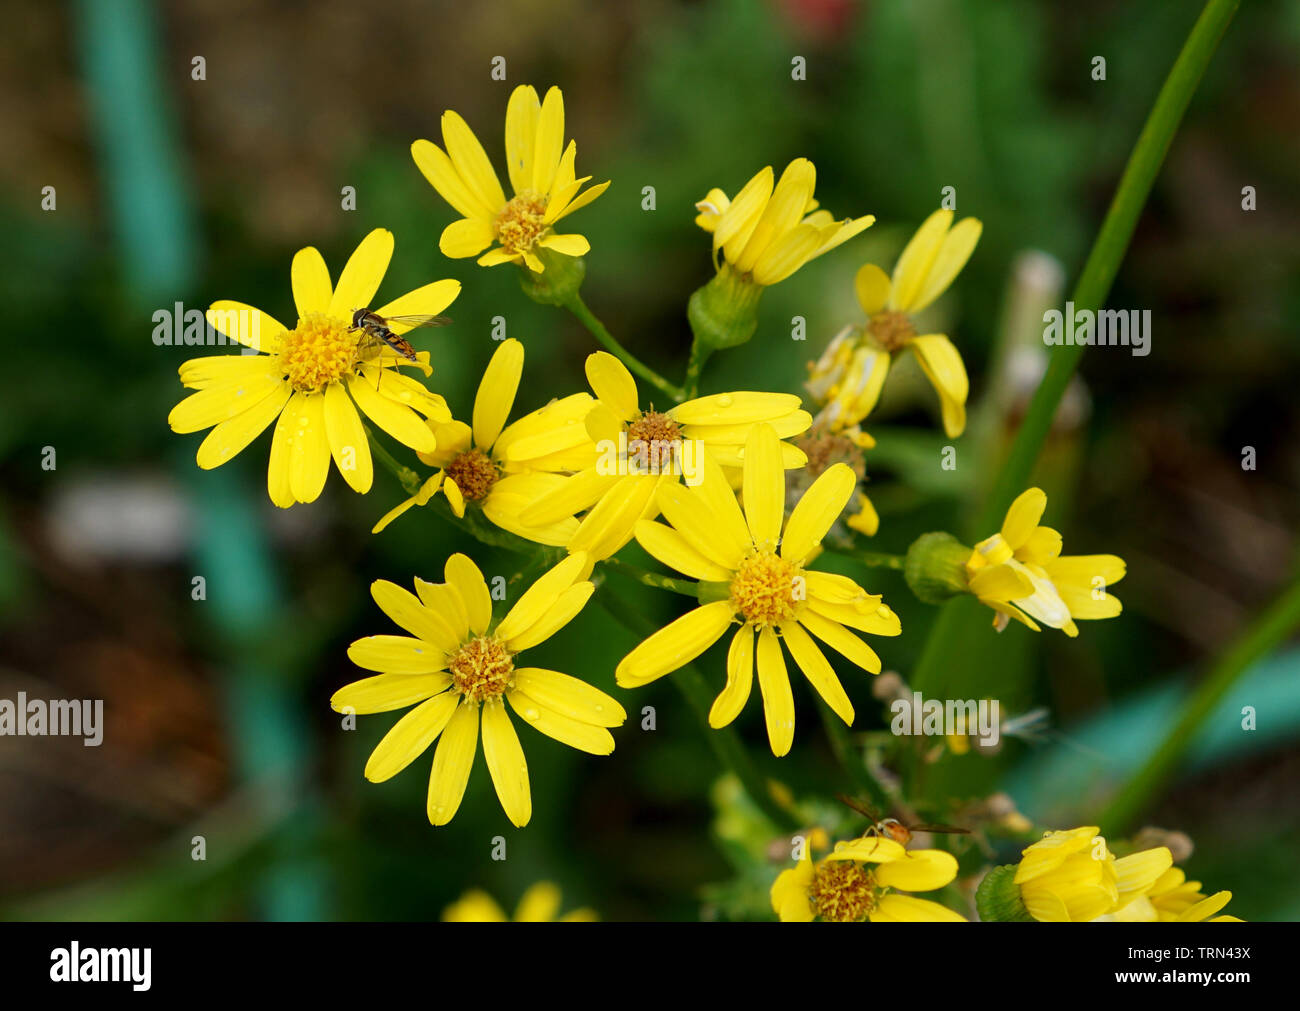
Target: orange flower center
[482, 668]
[842, 892]
[766, 589]
[317, 352]
[520, 222]
[474, 473]
[656, 436]
[891, 329]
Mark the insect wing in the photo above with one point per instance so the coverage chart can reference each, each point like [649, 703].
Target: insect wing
[944, 829]
[416, 322]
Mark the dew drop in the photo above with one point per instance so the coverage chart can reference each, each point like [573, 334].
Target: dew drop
[724, 400]
[531, 714]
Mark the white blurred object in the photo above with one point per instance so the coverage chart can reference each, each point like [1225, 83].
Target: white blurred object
[142, 518]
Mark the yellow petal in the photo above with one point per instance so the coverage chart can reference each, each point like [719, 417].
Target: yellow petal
[1023, 516]
[840, 639]
[817, 670]
[466, 237]
[496, 393]
[611, 522]
[396, 654]
[309, 452]
[440, 603]
[567, 245]
[764, 486]
[385, 692]
[790, 894]
[815, 513]
[613, 384]
[399, 421]
[221, 402]
[787, 253]
[674, 645]
[740, 679]
[522, 113]
[701, 527]
[714, 493]
[914, 264]
[538, 598]
[919, 871]
[734, 408]
[569, 696]
[361, 277]
[436, 625]
[953, 253]
[452, 763]
[671, 548]
[277, 467]
[872, 288]
[942, 365]
[539, 904]
[582, 200]
[550, 140]
[310, 280]
[245, 325]
[741, 217]
[774, 683]
[1000, 583]
[782, 212]
[347, 439]
[506, 763]
[410, 736]
[471, 162]
[232, 435]
[462, 574]
[436, 167]
[584, 736]
[563, 610]
[897, 908]
[579, 492]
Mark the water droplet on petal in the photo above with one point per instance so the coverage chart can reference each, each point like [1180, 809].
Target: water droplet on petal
[724, 400]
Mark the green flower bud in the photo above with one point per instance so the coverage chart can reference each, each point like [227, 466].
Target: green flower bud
[558, 283]
[724, 313]
[935, 567]
[998, 897]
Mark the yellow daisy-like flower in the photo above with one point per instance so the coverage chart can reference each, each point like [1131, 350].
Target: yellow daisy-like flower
[457, 661]
[866, 879]
[639, 450]
[541, 172]
[1174, 899]
[1021, 573]
[760, 578]
[314, 377]
[768, 232]
[1073, 876]
[851, 372]
[502, 469]
[540, 904]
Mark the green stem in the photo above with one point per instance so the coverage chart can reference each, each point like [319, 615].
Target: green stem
[700, 353]
[850, 757]
[1263, 634]
[724, 741]
[1109, 248]
[409, 479]
[848, 548]
[587, 318]
[685, 587]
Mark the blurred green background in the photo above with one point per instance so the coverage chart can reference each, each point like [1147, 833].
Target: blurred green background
[171, 189]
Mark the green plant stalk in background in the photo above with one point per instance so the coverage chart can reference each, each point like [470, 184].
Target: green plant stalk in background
[958, 621]
[587, 318]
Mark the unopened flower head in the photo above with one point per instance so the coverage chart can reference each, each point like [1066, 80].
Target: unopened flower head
[755, 564]
[501, 468]
[864, 880]
[851, 372]
[1021, 573]
[541, 171]
[457, 662]
[314, 377]
[666, 447]
[1073, 876]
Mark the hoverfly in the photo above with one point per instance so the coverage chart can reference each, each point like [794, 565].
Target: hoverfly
[379, 328]
[892, 828]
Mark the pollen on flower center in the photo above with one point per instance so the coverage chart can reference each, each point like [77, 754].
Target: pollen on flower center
[656, 437]
[474, 473]
[317, 352]
[482, 668]
[764, 589]
[520, 222]
[891, 329]
[842, 892]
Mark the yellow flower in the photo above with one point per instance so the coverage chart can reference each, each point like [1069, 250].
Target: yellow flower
[1073, 876]
[545, 186]
[768, 232]
[824, 448]
[501, 469]
[851, 372]
[1021, 573]
[314, 377]
[840, 888]
[540, 904]
[457, 658]
[1174, 899]
[638, 451]
[771, 593]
